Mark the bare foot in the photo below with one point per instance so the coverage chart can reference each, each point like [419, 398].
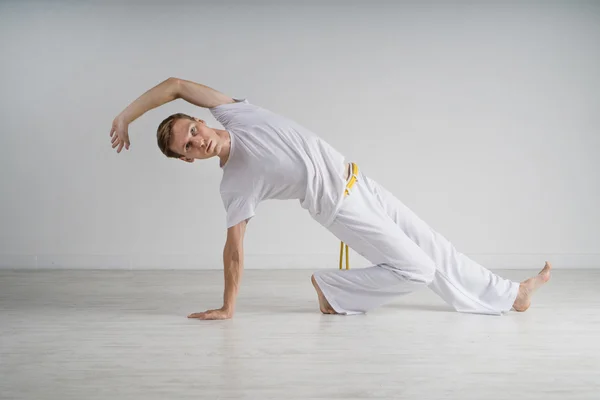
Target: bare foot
[527, 287]
[323, 303]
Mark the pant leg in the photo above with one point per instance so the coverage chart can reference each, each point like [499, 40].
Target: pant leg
[460, 281]
[400, 265]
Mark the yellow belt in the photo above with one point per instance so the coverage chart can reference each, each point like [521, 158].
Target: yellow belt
[349, 185]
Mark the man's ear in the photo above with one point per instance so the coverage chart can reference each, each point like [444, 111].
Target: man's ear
[190, 160]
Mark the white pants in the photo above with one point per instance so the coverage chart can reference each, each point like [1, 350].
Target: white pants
[406, 255]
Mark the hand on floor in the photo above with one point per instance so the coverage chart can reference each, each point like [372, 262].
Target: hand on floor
[221, 313]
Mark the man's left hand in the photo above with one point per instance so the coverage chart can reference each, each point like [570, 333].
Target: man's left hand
[221, 313]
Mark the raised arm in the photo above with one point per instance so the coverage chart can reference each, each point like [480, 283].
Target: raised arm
[233, 261]
[165, 92]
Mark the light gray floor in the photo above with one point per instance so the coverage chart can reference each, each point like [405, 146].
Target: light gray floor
[124, 335]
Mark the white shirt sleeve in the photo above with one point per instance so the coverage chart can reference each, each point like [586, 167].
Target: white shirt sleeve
[227, 114]
[238, 208]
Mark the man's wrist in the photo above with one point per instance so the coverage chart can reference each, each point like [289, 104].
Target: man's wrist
[123, 118]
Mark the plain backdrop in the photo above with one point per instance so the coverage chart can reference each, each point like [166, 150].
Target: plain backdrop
[482, 117]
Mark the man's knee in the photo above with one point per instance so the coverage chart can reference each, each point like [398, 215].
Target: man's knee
[426, 275]
[429, 274]
[419, 272]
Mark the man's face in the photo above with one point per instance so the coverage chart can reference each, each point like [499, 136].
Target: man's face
[192, 139]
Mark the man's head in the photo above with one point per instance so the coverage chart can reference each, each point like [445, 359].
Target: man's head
[187, 138]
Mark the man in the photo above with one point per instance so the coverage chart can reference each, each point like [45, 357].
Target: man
[267, 156]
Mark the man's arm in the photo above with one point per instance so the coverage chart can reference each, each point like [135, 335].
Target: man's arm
[165, 92]
[172, 89]
[233, 261]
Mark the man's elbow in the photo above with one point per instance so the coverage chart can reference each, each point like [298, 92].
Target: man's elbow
[236, 255]
[233, 252]
[174, 85]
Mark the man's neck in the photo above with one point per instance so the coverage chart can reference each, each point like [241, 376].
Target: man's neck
[226, 149]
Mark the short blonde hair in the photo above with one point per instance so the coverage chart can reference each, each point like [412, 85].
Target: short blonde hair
[165, 131]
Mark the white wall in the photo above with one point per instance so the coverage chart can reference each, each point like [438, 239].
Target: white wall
[483, 117]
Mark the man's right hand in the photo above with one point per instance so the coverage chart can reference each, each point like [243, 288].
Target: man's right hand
[221, 313]
[119, 134]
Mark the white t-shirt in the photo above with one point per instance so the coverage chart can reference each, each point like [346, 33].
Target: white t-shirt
[272, 157]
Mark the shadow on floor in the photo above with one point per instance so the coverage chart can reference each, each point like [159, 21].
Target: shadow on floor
[288, 309]
[420, 307]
